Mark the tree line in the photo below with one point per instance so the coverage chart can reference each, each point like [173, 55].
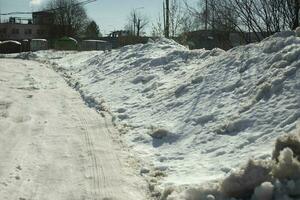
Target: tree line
[72, 17]
[261, 18]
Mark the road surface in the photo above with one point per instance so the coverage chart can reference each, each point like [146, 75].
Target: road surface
[52, 146]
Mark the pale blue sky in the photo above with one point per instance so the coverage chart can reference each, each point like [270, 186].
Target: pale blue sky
[109, 14]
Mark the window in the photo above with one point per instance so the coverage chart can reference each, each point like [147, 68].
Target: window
[3, 30]
[28, 31]
[15, 31]
[40, 32]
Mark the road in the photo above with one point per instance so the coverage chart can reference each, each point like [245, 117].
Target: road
[53, 147]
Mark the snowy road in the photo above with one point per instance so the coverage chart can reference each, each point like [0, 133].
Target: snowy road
[52, 146]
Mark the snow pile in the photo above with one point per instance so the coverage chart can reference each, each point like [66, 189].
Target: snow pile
[277, 179]
[194, 116]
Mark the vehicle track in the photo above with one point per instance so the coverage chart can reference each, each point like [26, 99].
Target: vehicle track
[53, 146]
[94, 169]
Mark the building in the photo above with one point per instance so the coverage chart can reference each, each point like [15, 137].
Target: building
[43, 18]
[207, 39]
[40, 26]
[9, 31]
[122, 33]
[210, 39]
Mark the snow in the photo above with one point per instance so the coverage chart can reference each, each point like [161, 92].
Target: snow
[42, 40]
[53, 146]
[101, 41]
[70, 38]
[297, 32]
[214, 109]
[11, 41]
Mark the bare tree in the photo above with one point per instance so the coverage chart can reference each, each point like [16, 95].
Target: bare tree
[213, 15]
[188, 23]
[166, 11]
[260, 18]
[137, 22]
[158, 28]
[175, 17]
[70, 14]
[296, 9]
[172, 19]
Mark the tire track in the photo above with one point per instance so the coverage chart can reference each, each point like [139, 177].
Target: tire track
[68, 151]
[93, 156]
[94, 169]
[105, 181]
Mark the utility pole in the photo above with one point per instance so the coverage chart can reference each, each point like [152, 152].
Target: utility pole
[206, 15]
[134, 22]
[0, 13]
[296, 13]
[138, 27]
[167, 18]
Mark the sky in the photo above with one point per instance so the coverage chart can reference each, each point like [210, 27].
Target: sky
[110, 15]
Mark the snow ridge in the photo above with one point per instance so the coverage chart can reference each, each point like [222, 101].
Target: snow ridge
[213, 109]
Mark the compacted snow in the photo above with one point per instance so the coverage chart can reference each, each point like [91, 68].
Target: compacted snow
[192, 115]
[53, 147]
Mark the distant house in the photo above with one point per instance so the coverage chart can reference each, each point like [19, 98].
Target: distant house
[117, 39]
[122, 33]
[207, 39]
[238, 38]
[43, 18]
[210, 39]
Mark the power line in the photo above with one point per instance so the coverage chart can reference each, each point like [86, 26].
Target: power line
[49, 10]
[16, 13]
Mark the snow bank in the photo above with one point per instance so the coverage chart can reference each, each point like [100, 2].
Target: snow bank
[260, 179]
[213, 109]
